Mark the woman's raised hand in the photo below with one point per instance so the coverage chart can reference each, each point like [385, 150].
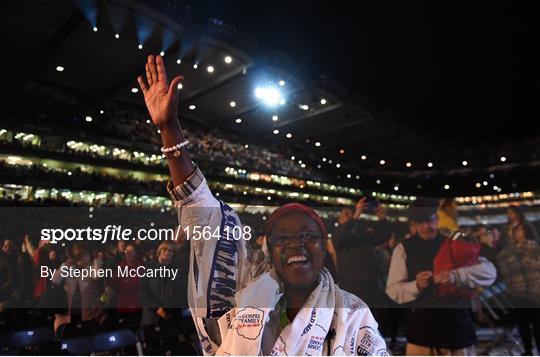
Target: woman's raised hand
[160, 96]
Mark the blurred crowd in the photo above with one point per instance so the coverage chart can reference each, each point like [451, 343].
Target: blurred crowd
[413, 277]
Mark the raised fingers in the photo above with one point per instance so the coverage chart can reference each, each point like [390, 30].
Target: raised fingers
[148, 74]
[143, 85]
[153, 69]
[162, 75]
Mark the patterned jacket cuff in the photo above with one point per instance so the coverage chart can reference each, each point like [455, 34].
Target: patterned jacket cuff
[185, 189]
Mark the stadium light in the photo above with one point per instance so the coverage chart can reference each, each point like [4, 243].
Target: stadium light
[95, 29]
[232, 104]
[276, 131]
[289, 135]
[117, 36]
[363, 157]
[59, 68]
[281, 83]
[140, 46]
[238, 121]
[430, 164]
[192, 107]
[275, 118]
[134, 90]
[228, 59]
[162, 53]
[178, 61]
[195, 65]
[323, 101]
[88, 118]
[210, 69]
[269, 95]
[408, 164]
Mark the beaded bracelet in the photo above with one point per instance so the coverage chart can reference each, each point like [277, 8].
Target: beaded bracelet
[175, 148]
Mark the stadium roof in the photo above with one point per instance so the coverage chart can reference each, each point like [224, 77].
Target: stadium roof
[378, 87]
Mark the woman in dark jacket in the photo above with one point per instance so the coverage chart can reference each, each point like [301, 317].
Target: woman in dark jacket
[163, 297]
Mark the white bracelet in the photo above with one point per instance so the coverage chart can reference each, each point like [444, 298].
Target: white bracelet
[175, 148]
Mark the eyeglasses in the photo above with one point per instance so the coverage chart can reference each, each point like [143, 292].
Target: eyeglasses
[283, 239]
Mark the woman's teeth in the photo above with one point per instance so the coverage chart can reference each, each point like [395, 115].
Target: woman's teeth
[297, 259]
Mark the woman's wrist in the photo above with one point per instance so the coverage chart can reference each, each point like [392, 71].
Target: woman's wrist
[171, 133]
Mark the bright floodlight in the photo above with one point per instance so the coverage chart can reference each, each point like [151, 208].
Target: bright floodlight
[270, 96]
[382, 162]
[178, 61]
[134, 90]
[192, 107]
[140, 46]
[323, 101]
[430, 164]
[408, 164]
[276, 131]
[289, 135]
[195, 65]
[162, 53]
[363, 157]
[503, 158]
[60, 68]
[464, 163]
[275, 118]
[446, 187]
[281, 83]
[282, 102]
[210, 69]
[95, 29]
[317, 144]
[180, 86]
[303, 106]
[232, 104]
[238, 121]
[228, 59]
[117, 36]
[88, 118]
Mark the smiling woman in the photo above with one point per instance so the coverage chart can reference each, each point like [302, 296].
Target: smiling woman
[278, 301]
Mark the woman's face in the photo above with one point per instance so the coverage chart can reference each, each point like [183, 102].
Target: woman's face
[166, 255]
[512, 215]
[298, 264]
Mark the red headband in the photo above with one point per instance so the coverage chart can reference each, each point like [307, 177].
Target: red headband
[295, 207]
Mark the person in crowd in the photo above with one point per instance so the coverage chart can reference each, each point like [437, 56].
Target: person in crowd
[127, 288]
[435, 324]
[279, 301]
[83, 302]
[118, 254]
[8, 273]
[519, 262]
[355, 240]
[448, 216]
[162, 297]
[516, 217]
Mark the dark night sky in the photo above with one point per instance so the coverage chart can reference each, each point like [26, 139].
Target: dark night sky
[430, 62]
